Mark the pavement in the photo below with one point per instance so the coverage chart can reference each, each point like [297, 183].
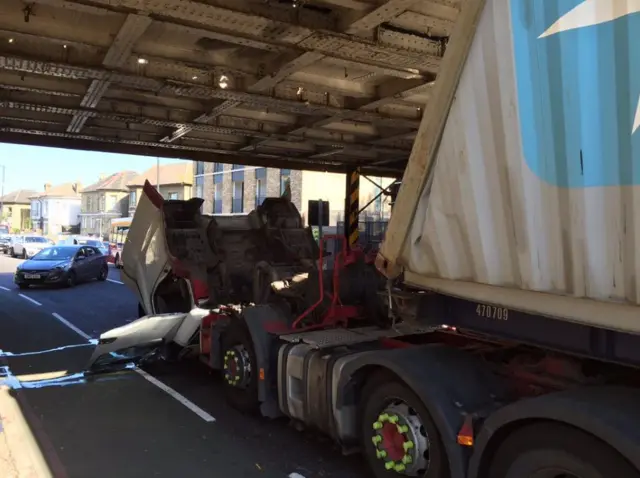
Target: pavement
[169, 421]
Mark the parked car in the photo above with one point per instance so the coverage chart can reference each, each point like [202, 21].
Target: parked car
[62, 265]
[29, 245]
[15, 240]
[92, 241]
[5, 243]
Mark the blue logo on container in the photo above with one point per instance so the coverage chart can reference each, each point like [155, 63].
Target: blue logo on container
[578, 81]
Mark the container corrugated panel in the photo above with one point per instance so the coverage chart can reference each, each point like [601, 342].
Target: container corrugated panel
[536, 184]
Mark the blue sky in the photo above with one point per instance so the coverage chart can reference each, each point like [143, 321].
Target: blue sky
[29, 167]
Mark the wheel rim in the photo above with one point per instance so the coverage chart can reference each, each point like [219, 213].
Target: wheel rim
[237, 367]
[401, 440]
[103, 274]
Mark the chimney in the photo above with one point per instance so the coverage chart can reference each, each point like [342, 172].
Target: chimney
[76, 186]
[47, 187]
[102, 176]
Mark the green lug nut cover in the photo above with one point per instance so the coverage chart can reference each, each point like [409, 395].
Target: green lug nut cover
[407, 460]
[377, 426]
[399, 468]
[408, 445]
[389, 465]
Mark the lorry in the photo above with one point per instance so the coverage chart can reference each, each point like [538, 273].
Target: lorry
[495, 332]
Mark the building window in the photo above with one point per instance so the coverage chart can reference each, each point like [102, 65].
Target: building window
[238, 196]
[173, 196]
[217, 198]
[218, 169]
[285, 176]
[261, 185]
[237, 173]
[111, 204]
[199, 167]
[199, 192]
[132, 199]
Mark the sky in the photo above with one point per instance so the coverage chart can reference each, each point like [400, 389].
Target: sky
[30, 167]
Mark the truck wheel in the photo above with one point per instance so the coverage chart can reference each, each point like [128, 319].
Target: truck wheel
[553, 450]
[240, 374]
[398, 434]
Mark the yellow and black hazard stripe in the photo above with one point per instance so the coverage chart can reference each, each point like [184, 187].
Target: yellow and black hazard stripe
[353, 207]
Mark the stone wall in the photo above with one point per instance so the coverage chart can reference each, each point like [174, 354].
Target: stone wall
[227, 189]
[249, 200]
[207, 188]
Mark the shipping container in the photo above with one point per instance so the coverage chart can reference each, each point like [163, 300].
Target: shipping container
[531, 199]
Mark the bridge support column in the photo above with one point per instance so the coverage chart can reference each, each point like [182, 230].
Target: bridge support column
[352, 208]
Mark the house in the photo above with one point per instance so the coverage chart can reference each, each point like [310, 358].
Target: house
[174, 181]
[106, 199]
[15, 209]
[235, 189]
[57, 209]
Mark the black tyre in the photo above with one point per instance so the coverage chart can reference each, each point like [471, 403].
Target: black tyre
[553, 450]
[116, 261]
[12, 253]
[408, 442]
[24, 253]
[240, 373]
[23, 286]
[71, 279]
[104, 273]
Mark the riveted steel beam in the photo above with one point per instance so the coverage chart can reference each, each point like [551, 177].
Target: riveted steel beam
[118, 54]
[86, 113]
[147, 148]
[376, 16]
[192, 90]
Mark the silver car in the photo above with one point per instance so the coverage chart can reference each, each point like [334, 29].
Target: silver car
[28, 246]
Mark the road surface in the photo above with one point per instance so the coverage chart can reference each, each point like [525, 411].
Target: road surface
[171, 422]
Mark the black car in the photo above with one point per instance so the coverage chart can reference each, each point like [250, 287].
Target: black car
[63, 265]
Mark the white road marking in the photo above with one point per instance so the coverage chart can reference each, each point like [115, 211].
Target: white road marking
[295, 475]
[179, 397]
[30, 299]
[71, 326]
[4, 288]
[115, 281]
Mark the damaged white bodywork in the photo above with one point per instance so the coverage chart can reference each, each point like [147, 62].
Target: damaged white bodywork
[146, 264]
